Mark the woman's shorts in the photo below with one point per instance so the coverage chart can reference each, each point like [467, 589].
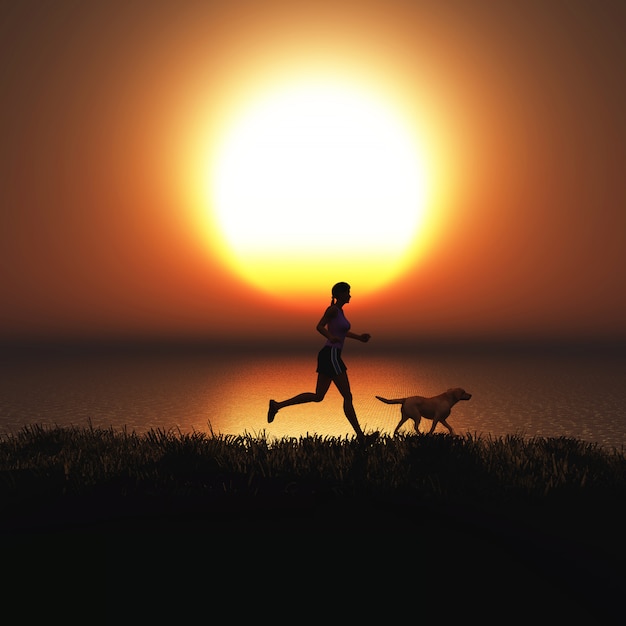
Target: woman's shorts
[329, 362]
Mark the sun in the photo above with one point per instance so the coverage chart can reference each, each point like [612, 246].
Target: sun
[316, 182]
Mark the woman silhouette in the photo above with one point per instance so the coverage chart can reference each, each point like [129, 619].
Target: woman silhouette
[330, 367]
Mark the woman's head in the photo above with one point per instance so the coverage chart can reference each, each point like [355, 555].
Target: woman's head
[338, 290]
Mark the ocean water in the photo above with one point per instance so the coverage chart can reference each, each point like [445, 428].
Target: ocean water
[526, 394]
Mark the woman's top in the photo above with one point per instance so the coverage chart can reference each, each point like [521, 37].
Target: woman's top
[338, 327]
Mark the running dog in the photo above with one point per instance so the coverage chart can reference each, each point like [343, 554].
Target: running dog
[436, 408]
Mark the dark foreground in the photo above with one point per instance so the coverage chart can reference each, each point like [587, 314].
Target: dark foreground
[320, 527]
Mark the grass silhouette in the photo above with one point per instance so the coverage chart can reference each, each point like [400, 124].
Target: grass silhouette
[212, 472]
[540, 519]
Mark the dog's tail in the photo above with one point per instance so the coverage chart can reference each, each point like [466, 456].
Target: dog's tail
[392, 401]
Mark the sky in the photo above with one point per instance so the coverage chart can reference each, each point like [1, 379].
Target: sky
[113, 113]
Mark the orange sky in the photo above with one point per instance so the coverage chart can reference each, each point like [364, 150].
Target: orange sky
[105, 108]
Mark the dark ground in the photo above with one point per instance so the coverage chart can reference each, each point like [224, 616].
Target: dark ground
[330, 558]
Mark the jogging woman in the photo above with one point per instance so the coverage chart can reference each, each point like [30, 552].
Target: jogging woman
[330, 367]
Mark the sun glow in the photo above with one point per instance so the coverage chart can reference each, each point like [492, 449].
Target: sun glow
[317, 182]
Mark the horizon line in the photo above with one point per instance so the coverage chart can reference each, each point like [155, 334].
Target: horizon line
[204, 344]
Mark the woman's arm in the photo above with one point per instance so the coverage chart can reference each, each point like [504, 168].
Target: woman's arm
[322, 325]
[365, 337]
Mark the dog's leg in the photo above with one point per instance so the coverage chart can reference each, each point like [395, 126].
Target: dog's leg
[432, 426]
[403, 419]
[448, 426]
[416, 425]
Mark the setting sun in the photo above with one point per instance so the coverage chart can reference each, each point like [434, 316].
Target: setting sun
[315, 180]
